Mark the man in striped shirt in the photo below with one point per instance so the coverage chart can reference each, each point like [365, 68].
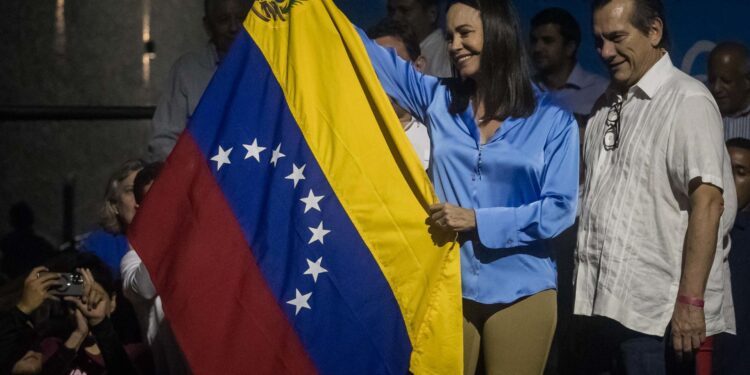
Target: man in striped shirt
[729, 82]
[658, 201]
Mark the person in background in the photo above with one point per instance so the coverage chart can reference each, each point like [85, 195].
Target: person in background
[729, 82]
[397, 35]
[118, 209]
[138, 288]
[501, 204]
[732, 352]
[19, 343]
[422, 17]
[555, 38]
[23, 249]
[191, 74]
[92, 345]
[657, 205]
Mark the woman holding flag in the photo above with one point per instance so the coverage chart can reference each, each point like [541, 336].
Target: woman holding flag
[505, 167]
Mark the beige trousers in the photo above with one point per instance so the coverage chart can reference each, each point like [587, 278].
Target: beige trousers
[513, 339]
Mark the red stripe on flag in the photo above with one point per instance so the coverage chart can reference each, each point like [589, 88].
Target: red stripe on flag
[217, 301]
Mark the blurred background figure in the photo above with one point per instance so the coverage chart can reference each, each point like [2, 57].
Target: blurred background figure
[729, 82]
[138, 288]
[732, 352]
[25, 317]
[390, 33]
[192, 72]
[22, 249]
[79, 339]
[555, 38]
[422, 17]
[118, 209]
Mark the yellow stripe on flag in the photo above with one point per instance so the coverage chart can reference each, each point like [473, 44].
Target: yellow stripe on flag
[347, 120]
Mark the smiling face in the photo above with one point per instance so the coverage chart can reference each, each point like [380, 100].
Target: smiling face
[626, 50]
[465, 37]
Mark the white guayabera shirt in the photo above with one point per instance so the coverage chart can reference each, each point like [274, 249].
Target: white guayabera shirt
[635, 203]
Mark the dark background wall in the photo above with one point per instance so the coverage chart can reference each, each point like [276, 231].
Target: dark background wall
[77, 52]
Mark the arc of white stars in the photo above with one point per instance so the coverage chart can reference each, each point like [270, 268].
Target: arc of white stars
[315, 269]
[318, 233]
[276, 155]
[300, 301]
[311, 201]
[222, 157]
[253, 150]
[297, 174]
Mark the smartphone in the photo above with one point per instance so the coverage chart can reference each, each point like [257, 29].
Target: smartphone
[71, 285]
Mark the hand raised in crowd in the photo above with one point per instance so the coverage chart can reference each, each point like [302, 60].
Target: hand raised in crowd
[688, 329]
[36, 289]
[94, 303]
[448, 216]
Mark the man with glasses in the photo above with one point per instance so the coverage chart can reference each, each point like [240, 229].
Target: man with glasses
[658, 202]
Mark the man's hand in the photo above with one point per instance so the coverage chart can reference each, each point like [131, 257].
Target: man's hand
[688, 329]
[36, 289]
[448, 216]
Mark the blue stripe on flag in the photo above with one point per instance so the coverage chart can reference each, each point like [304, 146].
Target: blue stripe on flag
[353, 324]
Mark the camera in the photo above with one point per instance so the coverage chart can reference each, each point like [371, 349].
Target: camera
[71, 285]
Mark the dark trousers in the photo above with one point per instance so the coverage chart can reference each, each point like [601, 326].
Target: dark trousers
[600, 345]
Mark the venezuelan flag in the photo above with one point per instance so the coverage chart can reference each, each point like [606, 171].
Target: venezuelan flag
[287, 234]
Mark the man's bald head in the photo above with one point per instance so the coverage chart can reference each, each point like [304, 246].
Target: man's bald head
[729, 77]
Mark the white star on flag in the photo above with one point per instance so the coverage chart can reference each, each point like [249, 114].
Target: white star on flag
[276, 155]
[222, 157]
[300, 301]
[312, 201]
[253, 151]
[297, 174]
[318, 233]
[314, 268]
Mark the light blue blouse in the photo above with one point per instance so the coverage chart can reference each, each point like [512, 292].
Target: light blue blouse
[522, 183]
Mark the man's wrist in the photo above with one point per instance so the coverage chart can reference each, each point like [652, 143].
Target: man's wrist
[692, 301]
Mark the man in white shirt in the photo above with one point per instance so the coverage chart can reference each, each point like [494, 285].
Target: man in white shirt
[399, 36]
[191, 74]
[729, 82]
[140, 291]
[422, 17]
[555, 38]
[658, 203]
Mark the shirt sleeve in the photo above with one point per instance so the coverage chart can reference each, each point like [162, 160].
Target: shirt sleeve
[412, 90]
[696, 148]
[135, 277]
[555, 211]
[170, 117]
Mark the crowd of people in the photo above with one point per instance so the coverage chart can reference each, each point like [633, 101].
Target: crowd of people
[603, 222]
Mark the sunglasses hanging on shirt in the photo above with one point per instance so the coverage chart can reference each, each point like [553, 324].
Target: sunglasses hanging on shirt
[612, 133]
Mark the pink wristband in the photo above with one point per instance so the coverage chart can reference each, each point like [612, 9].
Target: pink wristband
[692, 301]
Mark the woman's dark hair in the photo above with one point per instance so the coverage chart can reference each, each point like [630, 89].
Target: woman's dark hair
[506, 80]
